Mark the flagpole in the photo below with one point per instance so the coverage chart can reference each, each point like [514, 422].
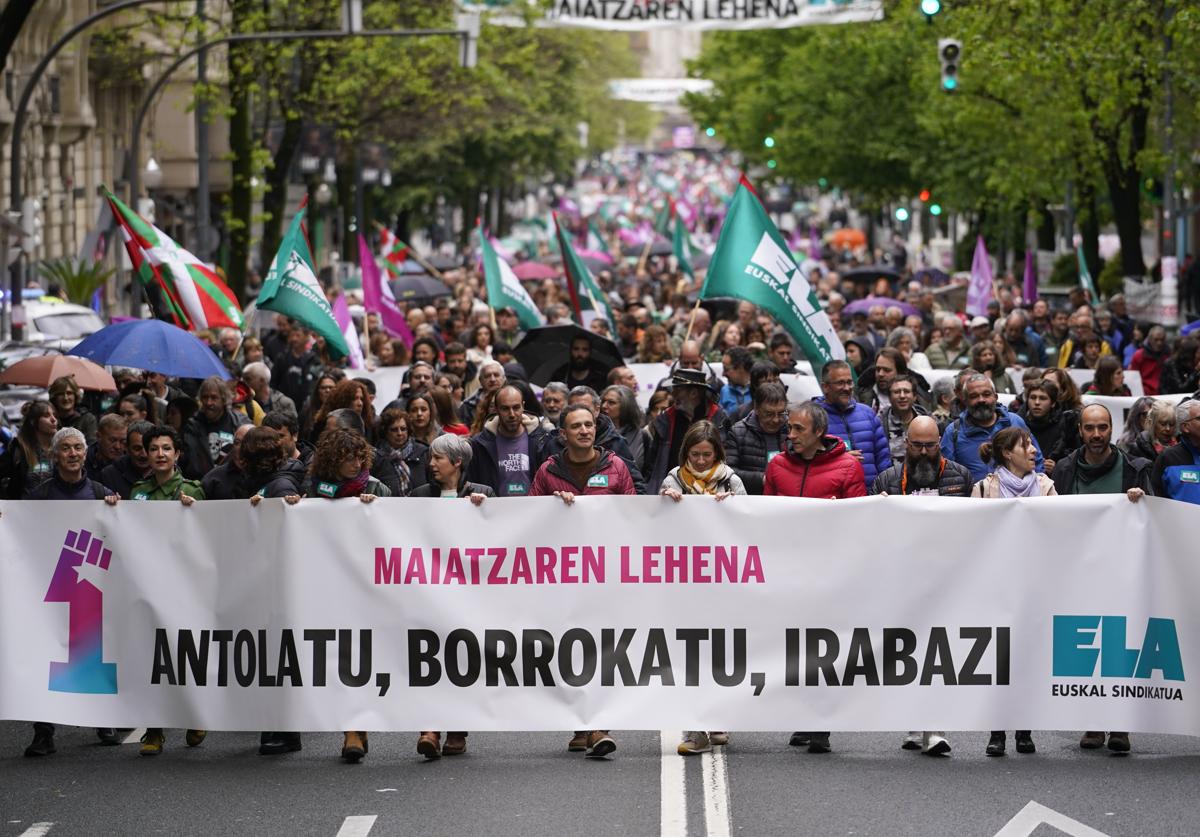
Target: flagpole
[417, 258]
[692, 320]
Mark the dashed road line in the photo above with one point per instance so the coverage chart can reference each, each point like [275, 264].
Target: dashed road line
[358, 826]
[672, 787]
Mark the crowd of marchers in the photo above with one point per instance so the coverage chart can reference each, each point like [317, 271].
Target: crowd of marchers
[293, 423]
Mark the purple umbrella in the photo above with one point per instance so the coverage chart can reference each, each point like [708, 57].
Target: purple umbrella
[864, 305]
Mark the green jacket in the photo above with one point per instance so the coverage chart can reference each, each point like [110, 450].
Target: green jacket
[172, 489]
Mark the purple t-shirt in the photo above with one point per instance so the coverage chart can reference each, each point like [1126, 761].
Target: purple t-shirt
[512, 457]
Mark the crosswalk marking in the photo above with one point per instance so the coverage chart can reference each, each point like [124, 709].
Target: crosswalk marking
[359, 826]
[38, 829]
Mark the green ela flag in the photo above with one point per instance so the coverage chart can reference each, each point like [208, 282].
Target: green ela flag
[683, 249]
[752, 262]
[504, 289]
[1085, 277]
[291, 288]
[586, 297]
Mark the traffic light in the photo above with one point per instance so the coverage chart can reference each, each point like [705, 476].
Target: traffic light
[935, 209]
[710, 131]
[924, 195]
[901, 214]
[771, 164]
[769, 142]
[929, 8]
[950, 54]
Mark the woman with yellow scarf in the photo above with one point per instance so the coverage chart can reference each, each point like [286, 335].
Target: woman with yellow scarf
[701, 470]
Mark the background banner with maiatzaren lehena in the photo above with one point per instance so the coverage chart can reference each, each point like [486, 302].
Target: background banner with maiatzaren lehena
[636, 15]
[626, 613]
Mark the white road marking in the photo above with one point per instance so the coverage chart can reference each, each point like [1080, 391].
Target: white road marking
[672, 787]
[357, 826]
[717, 816]
[135, 736]
[38, 829]
[1032, 815]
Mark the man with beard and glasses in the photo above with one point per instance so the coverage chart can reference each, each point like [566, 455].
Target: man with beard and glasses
[924, 473]
[982, 419]
[580, 370]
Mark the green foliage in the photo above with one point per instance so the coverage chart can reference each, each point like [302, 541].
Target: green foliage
[1111, 279]
[1051, 92]
[1065, 270]
[78, 279]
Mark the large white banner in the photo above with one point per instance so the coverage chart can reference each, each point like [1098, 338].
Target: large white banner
[761, 613]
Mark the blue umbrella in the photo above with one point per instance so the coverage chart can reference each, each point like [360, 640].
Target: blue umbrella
[153, 345]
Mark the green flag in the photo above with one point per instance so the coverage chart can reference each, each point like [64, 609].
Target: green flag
[1085, 277]
[752, 262]
[291, 288]
[587, 299]
[504, 289]
[683, 248]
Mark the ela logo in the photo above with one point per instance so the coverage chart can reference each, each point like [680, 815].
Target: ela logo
[82, 561]
[1076, 654]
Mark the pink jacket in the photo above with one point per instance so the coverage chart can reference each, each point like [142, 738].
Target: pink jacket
[609, 476]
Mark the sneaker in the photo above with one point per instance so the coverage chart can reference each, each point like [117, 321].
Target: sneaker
[1092, 740]
[195, 737]
[818, 742]
[456, 744]
[1118, 742]
[798, 739]
[1024, 740]
[935, 744]
[152, 742]
[42, 744]
[430, 745]
[912, 741]
[995, 745]
[600, 744]
[694, 743]
[108, 736]
[354, 747]
[718, 739]
[578, 742]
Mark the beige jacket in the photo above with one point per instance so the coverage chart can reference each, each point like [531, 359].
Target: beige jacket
[989, 487]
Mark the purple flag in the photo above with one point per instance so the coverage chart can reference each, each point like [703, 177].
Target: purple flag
[814, 243]
[980, 289]
[377, 296]
[1030, 292]
[341, 313]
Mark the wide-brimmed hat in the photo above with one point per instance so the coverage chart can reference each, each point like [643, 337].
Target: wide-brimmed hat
[688, 378]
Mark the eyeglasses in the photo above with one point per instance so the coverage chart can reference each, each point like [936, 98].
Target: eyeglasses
[924, 445]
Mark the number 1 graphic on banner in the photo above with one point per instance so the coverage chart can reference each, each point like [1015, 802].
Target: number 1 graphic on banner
[82, 558]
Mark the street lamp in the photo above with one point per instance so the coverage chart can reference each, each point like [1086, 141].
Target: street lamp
[152, 174]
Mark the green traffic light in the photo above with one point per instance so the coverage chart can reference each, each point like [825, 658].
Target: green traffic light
[712, 132]
[769, 142]
[822, 182]
[771, 164]
[935, 209]
[929, 8]
[949, 83]
[901, 214]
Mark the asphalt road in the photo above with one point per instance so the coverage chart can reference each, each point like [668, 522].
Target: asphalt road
[528, 784]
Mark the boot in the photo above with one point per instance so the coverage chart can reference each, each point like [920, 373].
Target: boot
[430, 745]
[354, 747]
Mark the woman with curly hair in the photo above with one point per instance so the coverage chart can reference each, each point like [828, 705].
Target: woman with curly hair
[347, 394]
[387, 352]
[341, 467]
[655, 346]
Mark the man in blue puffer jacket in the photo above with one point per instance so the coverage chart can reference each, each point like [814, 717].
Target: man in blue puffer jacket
[854, 423]
[980, 421]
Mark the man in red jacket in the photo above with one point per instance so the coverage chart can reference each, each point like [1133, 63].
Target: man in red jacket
[816, 465]
[582, 469]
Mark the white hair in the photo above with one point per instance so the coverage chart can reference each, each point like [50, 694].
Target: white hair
[1183, 410]
[257, 369]
[66, 434]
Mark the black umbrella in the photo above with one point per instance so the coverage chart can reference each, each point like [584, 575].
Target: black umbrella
[418, 287]
[441, 262]
[543, 351]
[870, 273]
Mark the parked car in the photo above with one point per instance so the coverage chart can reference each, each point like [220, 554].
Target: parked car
[60, 325]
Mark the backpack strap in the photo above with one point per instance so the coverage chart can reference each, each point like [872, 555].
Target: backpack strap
[97, 490]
